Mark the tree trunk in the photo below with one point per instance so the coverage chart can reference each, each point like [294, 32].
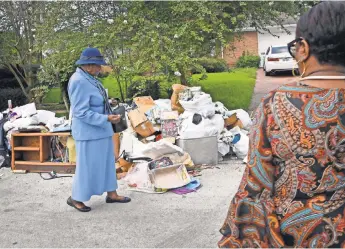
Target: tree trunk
[19, 81]
[183, 78]
[120, 88]
[64, 97]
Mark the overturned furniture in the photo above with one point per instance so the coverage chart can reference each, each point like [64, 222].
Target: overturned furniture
[31, 152]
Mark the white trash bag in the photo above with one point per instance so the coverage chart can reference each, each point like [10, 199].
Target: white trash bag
[197, 104]
[243, 116]
[206, 128]
[138, 178]
[240, 142]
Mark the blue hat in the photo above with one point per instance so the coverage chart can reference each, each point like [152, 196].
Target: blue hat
[91, 56]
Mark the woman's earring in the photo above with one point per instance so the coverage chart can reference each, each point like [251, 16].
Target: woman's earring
[296, 66]
[304, 68]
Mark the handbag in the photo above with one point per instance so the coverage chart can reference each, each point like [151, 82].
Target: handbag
[122, 125]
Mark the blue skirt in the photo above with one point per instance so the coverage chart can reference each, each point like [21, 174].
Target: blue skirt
[95, 171]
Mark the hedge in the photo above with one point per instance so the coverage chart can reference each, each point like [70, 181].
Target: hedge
[248, 61]
[16, 95]
[211, 65]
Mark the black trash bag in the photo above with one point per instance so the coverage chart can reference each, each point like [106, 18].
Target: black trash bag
[197, 118]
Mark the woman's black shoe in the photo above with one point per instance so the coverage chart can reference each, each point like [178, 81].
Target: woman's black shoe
[83, 209]
[124, 200]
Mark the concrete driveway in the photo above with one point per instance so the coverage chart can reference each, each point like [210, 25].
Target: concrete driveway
[34, 213]
[265, 84]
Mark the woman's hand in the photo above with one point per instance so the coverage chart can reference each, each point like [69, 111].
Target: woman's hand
[114, 119]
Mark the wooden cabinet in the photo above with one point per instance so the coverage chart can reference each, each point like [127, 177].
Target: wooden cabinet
[31, 153]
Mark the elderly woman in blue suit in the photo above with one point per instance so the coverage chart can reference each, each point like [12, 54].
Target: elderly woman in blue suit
[92, 131]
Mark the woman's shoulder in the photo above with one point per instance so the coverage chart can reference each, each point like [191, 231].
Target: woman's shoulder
[76, 82]
[296, 86]
[76, 76]
[292, 88]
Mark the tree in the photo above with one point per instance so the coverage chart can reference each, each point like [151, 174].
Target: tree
[62, 37]
[17, 40]
[169, 36]
[156, 38]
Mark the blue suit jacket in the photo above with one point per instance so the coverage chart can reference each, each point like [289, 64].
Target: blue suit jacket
[89, 115]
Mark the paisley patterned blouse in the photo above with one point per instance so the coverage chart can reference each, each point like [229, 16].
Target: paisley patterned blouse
[292, 193]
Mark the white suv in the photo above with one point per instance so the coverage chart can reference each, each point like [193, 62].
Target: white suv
[278, 59]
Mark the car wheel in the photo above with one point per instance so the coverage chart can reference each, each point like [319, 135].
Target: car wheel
[267, 73]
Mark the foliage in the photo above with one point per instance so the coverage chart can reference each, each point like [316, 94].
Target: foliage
[167, 37]
[166, 89]
[148, 38]
[16, 95]
[59, 63]
[262, 15]
[234, 89]
[175, 33]
[19, 21]
[211, 65]
[144, 87]
[111, 84]
[38, 92]
[7, 79]
[247, 61]
[8, 83]
[140, 37]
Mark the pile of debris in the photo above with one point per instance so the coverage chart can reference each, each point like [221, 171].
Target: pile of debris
[167, 138]
[27, 119]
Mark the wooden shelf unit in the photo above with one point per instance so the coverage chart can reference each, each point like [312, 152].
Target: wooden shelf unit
[31, 151]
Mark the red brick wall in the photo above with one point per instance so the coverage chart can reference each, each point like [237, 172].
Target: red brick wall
[247, 42]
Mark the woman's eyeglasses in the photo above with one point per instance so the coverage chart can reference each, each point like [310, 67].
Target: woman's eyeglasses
[292, 46]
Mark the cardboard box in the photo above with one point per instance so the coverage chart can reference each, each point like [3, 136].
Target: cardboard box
[145, 129]
[170, 177]
[123, 165]
[169, 115]
[175, 105]
[144, 103]
[136, 117]
[233, 121]
[140, 123]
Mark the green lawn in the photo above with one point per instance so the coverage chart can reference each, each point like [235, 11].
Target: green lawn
[53, 96]
[110, 83]
[234, 89]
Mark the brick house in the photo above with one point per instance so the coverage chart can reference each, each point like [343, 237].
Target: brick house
[255, 43]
